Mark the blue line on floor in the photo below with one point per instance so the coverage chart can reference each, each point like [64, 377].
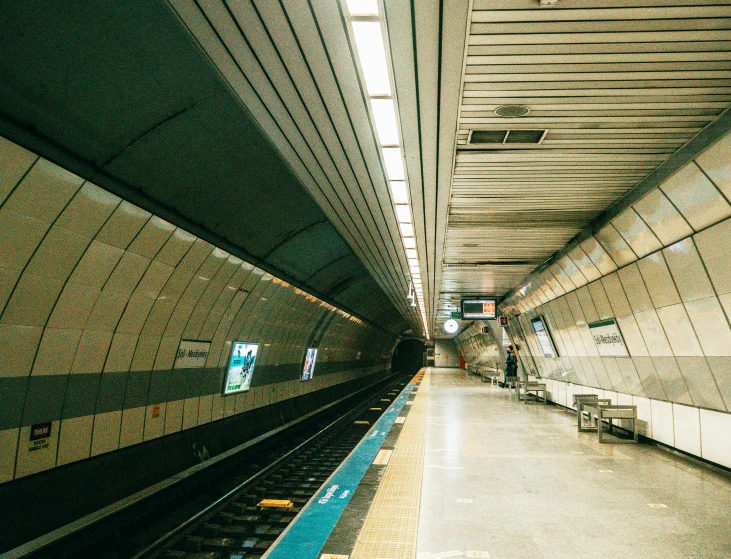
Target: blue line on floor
[306, 537]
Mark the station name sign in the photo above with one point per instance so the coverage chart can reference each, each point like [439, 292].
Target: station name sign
[192, 354]
[608, 338]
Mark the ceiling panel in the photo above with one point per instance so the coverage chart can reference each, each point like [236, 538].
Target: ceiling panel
[619, 85]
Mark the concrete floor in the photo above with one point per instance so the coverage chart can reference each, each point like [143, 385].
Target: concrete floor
[512, 481]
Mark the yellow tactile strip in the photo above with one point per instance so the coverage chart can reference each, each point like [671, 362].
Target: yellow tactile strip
[389, 531]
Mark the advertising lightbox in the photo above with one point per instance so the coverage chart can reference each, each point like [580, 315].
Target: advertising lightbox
[479, 309]
[240, 367]
[309, 369]
[544, 337]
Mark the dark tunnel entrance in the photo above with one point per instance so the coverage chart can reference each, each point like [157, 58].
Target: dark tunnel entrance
[408, 357]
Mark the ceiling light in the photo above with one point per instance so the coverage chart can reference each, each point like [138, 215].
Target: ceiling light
[409, 242]
[394, 163]
[363, 7]
[403, 213]
[384, 114]
[399, 192]
[372, 56]
[451, 326]
[407, 230]
[413, 262]
[411, 253]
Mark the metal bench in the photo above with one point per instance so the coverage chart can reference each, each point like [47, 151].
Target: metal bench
[587, 408]
[487, 373]
[610, 413]
[533, 386]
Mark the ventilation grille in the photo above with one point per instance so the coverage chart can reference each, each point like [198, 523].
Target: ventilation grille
[532, 137]
[512, 111]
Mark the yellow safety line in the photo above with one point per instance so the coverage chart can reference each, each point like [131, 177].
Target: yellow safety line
[390, 529]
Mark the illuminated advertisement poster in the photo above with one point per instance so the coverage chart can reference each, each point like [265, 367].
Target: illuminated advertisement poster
[544, 337]
[608, 339]
[309, 369]
[240, 367]
[479, 309]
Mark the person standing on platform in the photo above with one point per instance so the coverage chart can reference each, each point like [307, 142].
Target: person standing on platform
[511, 367]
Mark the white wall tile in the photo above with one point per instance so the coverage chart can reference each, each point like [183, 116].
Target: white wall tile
[75, 441]
[18, 348]
[58, 254]
[598, 255]
[106, 432]
[154, 421]
[679, 331]
[96, 265]
[8, 449]
[32, 301]
[123, 226]
[687, 429]
[120, 353]
[637, 234]
[88, 210]
[716, 437]
[190, 412]
[663, 429]
[92, 352]
[615, 245]
[615, 294]
[665, 221]
[715, 250]
[584, 263]
[152, 238]
[205, 409]
[14, 163]
[133, 426]
[128, 273]
[31, 462]
[19, 237]
[687, 271]
[174, 417]
[716, 163]
[107, 311]
[176, 247]
[634, 288]
[632, 337]
[710, 325]
[44, 191]
[658, 280]
[74, 306]
[56, 352]
[644, 415]
[696, 197]
[653, 333]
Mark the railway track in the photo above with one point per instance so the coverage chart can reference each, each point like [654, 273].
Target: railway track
[218, 515]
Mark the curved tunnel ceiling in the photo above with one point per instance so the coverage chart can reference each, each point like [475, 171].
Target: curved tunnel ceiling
[119, 93]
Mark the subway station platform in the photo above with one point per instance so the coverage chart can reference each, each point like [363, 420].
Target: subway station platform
[471, 472]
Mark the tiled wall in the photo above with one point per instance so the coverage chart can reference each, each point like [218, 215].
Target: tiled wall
[482, 350]
[95, 297]
[445, 354]
[662, 269]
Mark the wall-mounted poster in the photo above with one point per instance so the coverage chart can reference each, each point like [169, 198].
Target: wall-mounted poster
[192, 354]
[608, 339]
[309, 369]
[240, 367]
[544, 337]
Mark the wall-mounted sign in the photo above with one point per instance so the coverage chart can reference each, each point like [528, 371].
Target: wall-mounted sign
[544, 337]
[309, 369]
[608, 339]
[192, 354]
[506, 338]
[479, 309]
[40, 434]
[456, 315]
[503, 321]
[240, 367]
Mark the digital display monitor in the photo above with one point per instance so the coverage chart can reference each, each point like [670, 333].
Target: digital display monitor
[544, 337]
[309, 369]
[479, 309]
[240, 367]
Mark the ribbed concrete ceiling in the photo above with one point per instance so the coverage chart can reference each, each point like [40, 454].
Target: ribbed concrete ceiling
[620, 85]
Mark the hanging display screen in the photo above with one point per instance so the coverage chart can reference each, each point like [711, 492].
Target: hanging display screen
[240, 367]
[309, 369]
[479, 309]
[544, 337]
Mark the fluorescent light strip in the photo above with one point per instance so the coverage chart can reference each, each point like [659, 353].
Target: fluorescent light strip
[371, 48]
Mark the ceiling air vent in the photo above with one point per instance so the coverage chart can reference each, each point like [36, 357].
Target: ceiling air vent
[532, 137]
[512, 111]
